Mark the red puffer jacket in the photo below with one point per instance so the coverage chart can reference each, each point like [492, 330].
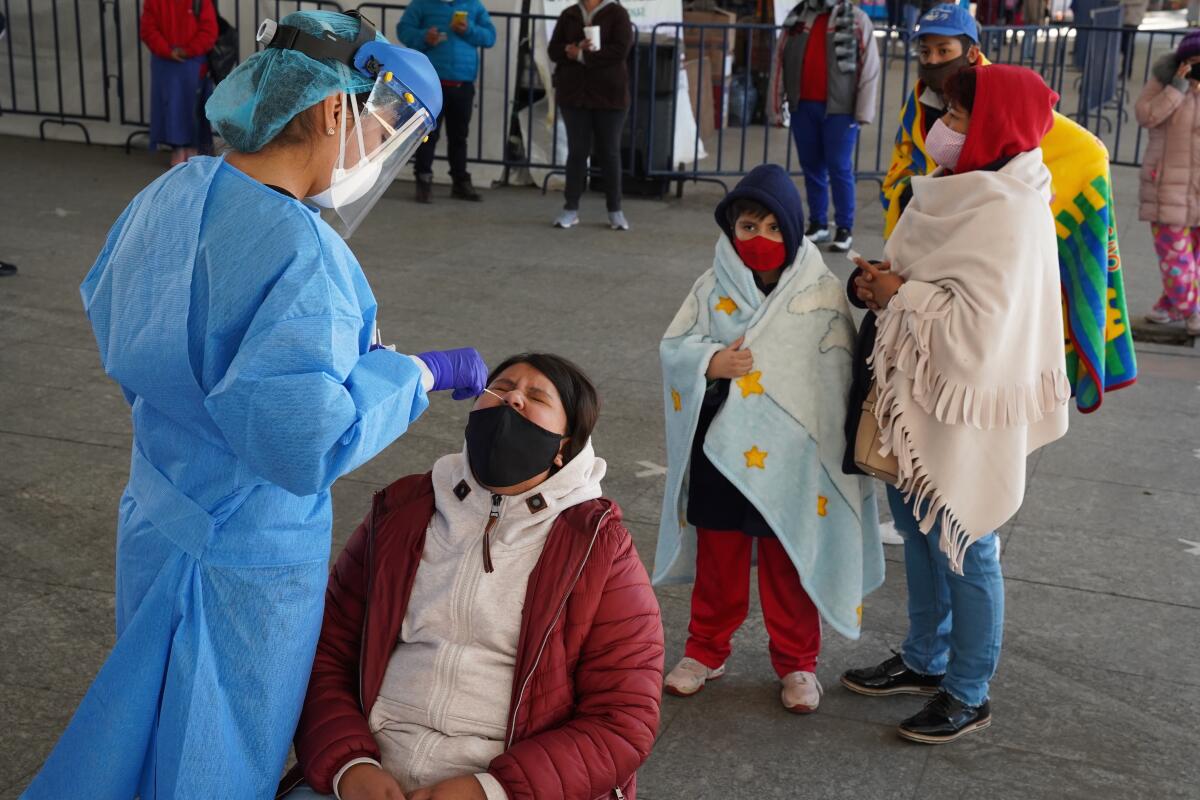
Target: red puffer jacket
[588, 679]
[172, 23]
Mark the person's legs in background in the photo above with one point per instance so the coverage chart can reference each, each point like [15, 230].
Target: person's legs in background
[1127, 42]
[458, 102]
[840, 133]
[423, 161]
[606, 127]
[1193, 13]
[1193, 320]
[578, 122]
[807, 123]
[1177, 248]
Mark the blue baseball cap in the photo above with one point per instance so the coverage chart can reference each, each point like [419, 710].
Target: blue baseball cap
[948, 19]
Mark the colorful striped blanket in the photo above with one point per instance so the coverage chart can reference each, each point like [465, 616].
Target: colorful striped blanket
[1099, 341]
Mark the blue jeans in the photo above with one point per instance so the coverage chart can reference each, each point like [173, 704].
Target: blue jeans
[825, 144]
[955, 622]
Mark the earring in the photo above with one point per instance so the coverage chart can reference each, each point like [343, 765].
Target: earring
[330, 131]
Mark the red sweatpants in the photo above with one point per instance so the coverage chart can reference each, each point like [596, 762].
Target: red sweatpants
[721, 600]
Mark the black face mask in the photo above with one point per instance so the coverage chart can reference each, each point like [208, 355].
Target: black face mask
[935, 75]
[1194, 73]
[505, 449]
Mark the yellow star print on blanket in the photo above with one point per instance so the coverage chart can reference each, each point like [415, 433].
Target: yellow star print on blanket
[727, 305]
[756, 458]
[749, 383]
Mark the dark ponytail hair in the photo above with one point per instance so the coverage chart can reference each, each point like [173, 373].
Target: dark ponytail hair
[579, 397]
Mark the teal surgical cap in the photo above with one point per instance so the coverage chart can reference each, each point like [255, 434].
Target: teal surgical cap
[254, 103]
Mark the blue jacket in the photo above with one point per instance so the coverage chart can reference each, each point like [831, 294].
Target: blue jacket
[457, 58]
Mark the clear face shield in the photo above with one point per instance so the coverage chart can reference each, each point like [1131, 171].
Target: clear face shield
[376, 139]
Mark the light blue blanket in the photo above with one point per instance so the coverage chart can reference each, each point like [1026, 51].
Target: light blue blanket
[779, 437]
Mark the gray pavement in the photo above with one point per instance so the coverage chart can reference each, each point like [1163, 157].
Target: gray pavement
[1098, 693]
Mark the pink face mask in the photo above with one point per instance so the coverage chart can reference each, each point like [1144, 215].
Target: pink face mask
[944, 145]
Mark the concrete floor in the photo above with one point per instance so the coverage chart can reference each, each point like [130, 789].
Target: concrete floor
[1097, 694]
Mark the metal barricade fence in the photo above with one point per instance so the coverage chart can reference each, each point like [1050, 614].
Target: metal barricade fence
[95, 50]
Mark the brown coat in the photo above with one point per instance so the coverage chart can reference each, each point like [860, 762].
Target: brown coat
[1170, 111]
[601, 80]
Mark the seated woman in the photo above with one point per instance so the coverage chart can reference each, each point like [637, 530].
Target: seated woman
[970, 380]
[489, 629]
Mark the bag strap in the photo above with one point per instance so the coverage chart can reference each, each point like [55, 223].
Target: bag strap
[196, 8]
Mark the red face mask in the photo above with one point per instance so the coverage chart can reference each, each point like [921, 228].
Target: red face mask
[760, 253]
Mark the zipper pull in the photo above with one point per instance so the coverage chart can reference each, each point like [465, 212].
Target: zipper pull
[619, 794]
[493, 518]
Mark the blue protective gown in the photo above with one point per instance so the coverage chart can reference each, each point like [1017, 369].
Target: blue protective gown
[238, 325]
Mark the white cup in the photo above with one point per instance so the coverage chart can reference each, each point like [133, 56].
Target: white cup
[592, 32]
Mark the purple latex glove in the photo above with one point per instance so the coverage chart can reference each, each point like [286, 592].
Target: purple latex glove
[461, 369]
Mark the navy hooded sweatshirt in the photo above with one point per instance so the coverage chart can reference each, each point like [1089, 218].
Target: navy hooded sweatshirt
[714, 502]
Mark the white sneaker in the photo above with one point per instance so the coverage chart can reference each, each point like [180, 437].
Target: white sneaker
[567, 219]
[1193, 324]
[617, 221]
[801, 693]
[1158, 317]
[888, 533]
[689, 677]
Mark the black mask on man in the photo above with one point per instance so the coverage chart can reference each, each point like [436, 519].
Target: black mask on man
[935, 75]
[1194, 72]
[505, 449]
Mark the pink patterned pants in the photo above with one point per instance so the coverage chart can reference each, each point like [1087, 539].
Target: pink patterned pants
[1178, 249]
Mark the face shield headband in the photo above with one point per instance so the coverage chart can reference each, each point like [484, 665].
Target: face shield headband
[386, 129]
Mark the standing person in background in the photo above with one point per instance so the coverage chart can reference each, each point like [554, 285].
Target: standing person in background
[827, 69]
[1132, 14]
[1099, 347]
[450, 33]
[591, 86]
[1169, 108]
[1033, 12]
[1193, 14]
[179, 34]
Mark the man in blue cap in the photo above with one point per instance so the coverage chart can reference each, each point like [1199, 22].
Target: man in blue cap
[947, 41]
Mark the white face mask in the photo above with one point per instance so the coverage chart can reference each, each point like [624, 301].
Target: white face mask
[348, 185]
[944, 145]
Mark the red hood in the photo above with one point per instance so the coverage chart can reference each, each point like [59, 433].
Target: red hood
[1014, 110]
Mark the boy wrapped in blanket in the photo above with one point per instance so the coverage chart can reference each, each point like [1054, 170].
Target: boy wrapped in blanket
[756, 370]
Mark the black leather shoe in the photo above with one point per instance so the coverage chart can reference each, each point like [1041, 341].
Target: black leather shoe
[890, 677]
[945, 719]
[7, 269]
[465, 190]
[424, 190]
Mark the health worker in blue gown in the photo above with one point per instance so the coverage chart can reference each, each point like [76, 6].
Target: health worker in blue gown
[240, 328]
